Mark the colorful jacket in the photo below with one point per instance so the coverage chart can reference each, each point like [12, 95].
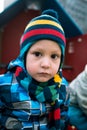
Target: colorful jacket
[17, 110]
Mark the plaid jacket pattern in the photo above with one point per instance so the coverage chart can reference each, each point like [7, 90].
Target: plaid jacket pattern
[17, 110]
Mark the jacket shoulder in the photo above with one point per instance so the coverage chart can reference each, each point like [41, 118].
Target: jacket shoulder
[6, 79]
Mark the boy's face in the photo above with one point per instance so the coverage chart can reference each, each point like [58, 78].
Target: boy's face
[43, 60]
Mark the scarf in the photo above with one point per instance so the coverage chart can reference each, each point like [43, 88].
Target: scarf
[47, 92]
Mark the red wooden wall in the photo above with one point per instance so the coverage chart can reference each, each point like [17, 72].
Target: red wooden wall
[76, 56]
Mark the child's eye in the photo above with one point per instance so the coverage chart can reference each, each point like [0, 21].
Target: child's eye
[55, 56]
[37, 54]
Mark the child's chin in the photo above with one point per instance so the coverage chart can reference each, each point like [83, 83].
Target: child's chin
[42, 80]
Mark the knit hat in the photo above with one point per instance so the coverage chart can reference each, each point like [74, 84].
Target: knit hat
[45, 26]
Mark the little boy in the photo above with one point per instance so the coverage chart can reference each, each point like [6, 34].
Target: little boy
[30, 90]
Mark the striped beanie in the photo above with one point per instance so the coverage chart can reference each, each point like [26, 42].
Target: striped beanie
[45, 26]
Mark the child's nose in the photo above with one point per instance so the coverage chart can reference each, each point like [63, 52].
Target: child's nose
[46, 63]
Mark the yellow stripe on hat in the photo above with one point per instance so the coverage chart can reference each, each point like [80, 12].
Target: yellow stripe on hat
[49, 22]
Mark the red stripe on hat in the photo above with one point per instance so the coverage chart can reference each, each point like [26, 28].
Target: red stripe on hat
[42, 31]
[57, 114]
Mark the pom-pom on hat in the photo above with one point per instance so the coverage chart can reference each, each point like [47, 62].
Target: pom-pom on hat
[45, 26]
